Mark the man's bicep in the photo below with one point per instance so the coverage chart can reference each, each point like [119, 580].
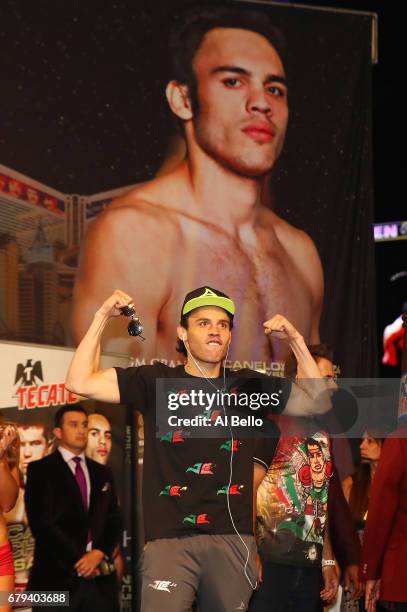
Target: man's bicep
[296, 404]
[103, 386]
[308, 397]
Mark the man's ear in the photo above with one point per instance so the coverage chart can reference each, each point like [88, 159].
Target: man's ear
[179, 101]
[57, 432]
[181, 332]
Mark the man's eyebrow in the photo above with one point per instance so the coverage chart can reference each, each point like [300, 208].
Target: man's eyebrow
[207, 320]
[235, 69]
[99, 430]
[275, 78]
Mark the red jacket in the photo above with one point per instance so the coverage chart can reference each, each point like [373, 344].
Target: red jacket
[385, 539]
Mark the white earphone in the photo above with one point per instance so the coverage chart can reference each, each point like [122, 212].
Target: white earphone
[248, 578]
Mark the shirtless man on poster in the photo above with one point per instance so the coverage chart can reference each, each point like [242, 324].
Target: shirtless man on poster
[205, 221]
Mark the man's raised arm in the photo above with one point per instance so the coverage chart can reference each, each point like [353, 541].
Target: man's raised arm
[310, 394]
[84, 375]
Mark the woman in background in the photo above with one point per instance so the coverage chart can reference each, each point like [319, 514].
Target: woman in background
[9, 453]
[356, 488]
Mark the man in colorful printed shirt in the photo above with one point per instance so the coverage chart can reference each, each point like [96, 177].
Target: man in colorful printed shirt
[292, 516]
[198, 486]
[292, 511]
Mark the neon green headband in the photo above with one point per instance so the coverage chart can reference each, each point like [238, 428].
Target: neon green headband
[209, 298]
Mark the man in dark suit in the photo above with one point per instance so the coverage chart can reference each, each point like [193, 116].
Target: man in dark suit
[385, 544]
[73, 513]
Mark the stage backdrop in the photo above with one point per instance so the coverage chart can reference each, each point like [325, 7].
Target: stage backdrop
[85, 117]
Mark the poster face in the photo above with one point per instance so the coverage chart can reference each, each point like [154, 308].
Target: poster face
[272, 205]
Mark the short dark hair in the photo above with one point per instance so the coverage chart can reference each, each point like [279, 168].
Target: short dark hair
[318, 351]
[191, 25]
[180, 347]
[59, 415]
[312, 442]
[37, 425]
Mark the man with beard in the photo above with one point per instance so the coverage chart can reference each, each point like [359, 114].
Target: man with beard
[207, 217]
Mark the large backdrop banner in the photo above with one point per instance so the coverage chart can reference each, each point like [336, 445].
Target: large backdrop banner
[135, 157]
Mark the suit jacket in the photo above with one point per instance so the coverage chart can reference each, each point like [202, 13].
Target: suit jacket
[60, 523]
[385, 539]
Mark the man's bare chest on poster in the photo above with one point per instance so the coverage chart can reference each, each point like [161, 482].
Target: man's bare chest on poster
[258, 274]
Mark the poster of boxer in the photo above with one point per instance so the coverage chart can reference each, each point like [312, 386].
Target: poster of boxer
[146, 152]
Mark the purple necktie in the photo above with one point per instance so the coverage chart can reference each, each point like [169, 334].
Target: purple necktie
[81, 480]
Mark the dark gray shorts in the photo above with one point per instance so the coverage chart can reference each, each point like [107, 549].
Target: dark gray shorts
[206, 570]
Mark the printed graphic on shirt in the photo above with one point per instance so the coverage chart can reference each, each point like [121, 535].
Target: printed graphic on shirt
[196, 519]
[292, 500]
[211, 415]
[162, 585]
[228, 446]
[234, 489]
[173, 437]
[201, 468]
[173, 490]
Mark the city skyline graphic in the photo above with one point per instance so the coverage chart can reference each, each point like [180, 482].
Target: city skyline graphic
[40, 238]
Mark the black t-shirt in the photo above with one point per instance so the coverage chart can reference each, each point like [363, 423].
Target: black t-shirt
[185, 477]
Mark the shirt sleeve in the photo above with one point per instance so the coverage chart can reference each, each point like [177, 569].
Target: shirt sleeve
[264, 450]
[384, 504]
[133, 387]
